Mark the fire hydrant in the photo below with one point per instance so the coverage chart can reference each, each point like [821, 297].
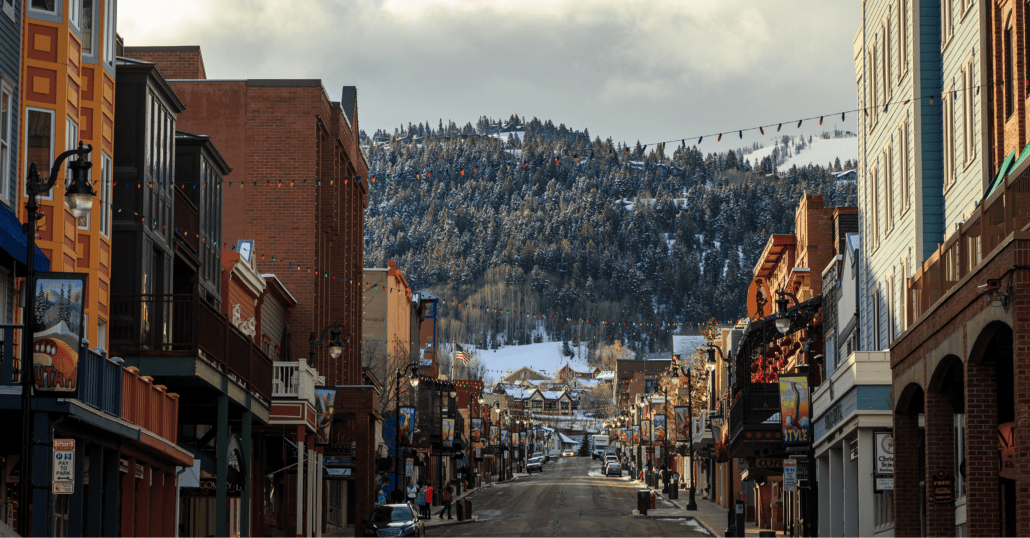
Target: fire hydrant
[652, 500]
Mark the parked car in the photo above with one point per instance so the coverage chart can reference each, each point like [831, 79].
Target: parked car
[394, 520]
[608, 459]
[535, 465]
[613, 468]
[568, 453]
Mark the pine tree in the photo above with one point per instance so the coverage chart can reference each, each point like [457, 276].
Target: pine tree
[584, 447]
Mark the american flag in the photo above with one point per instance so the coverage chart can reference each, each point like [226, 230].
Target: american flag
[463, 355]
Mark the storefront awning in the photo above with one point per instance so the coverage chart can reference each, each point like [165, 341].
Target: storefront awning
[14, 241]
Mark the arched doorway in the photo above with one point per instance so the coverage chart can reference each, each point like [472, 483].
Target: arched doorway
[945, 424]
[991, 403]
[909, 464]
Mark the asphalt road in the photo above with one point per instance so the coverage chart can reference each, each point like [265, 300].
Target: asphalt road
[570, 498]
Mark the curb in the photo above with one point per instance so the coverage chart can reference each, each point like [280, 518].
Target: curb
[475, 519]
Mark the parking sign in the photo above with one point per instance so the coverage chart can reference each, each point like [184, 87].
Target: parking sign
[64, 466]
[790, 475]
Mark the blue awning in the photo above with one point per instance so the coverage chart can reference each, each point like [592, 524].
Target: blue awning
[14, 242]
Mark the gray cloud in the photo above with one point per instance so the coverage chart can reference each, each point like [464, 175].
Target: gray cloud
[648, 70]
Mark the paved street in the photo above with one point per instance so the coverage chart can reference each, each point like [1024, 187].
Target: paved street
[570, 498]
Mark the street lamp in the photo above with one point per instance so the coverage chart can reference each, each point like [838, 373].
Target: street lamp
[78, 195]
[692, 503]
[782, 320]
[411, 368]
[335, 344]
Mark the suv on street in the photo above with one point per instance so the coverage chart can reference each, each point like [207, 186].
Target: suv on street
[535, 465]
[608, 458]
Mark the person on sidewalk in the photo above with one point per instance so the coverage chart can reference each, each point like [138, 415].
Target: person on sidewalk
[412, 492]
[448, 497]
[429, 501]
[397, 497]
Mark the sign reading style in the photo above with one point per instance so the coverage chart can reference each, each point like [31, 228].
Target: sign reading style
[794, 409]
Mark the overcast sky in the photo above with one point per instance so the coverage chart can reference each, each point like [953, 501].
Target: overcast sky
[648, 70]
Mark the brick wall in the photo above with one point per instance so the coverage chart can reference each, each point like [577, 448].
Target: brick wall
[906, 474]
[355, 405]
[172, 62]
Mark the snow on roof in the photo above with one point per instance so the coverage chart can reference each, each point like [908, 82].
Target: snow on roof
[606, 375]
[684, 346]
[587, 381]
[566, 439]
[552, 394]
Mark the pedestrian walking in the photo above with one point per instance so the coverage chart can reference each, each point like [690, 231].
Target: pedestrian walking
[448, 497]
[427, 507]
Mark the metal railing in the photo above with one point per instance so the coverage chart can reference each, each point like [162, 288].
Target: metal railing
[148, 325]
[1007, 210]
[101, 386]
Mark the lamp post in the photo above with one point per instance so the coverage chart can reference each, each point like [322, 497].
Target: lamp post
[335, 344]
[692, 503]
[413, 379]
[78, 195]
[665, 435]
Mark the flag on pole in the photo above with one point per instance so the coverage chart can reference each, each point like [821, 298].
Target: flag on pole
[463, 355]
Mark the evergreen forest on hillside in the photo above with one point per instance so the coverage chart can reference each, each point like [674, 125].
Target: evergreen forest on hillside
[525, 216]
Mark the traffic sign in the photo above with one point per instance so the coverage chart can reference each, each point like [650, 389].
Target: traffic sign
[790, 475]
[64, 466]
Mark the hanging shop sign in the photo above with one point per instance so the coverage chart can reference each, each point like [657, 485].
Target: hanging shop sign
[884, 453]
[325, 406]
[795, 410]
[1007, 450]
[56, 318]
[943, 487]
[64, 466]
[476, 431]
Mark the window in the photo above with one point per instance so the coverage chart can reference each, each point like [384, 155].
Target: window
[874, 84]
[884, 70]
[875, 177]
[946, 25]
[949, 136]
[891, 307]
[101, 335]
[74, 12]
[877, 330]
[87, 27]
[1010, 83]
[105, 195]
[6, 103]
[888, 191]
[902, 39]
[109, 32]
[968, 119]
[960, 457]
[903, 175]
[887, 53]
[39, 142]
[50, 6]
[884, 509]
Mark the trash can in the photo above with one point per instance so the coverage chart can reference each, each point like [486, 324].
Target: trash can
[461, 510]
[643, 501]
[653, 498]
[674, 487]
[468, 508]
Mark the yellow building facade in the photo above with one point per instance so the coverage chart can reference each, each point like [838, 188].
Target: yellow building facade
[68, 94]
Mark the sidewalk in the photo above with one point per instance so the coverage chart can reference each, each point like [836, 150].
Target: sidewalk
[709, 514]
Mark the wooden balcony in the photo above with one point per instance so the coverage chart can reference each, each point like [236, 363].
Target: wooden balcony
[149, 406]
[1005, 211]
[181, 325]
[295, 380]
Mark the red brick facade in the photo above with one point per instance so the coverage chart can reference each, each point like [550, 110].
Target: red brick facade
[173, 62]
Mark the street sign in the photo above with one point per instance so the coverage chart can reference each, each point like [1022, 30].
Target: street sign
[409, 467]
[335, 461]
[790, 475]
[884, 484]
[64, 466]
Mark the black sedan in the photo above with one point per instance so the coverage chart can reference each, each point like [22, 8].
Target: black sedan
[394, 520]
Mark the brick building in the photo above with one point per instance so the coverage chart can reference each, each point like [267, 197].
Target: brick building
[294, 154]
[960, 381]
